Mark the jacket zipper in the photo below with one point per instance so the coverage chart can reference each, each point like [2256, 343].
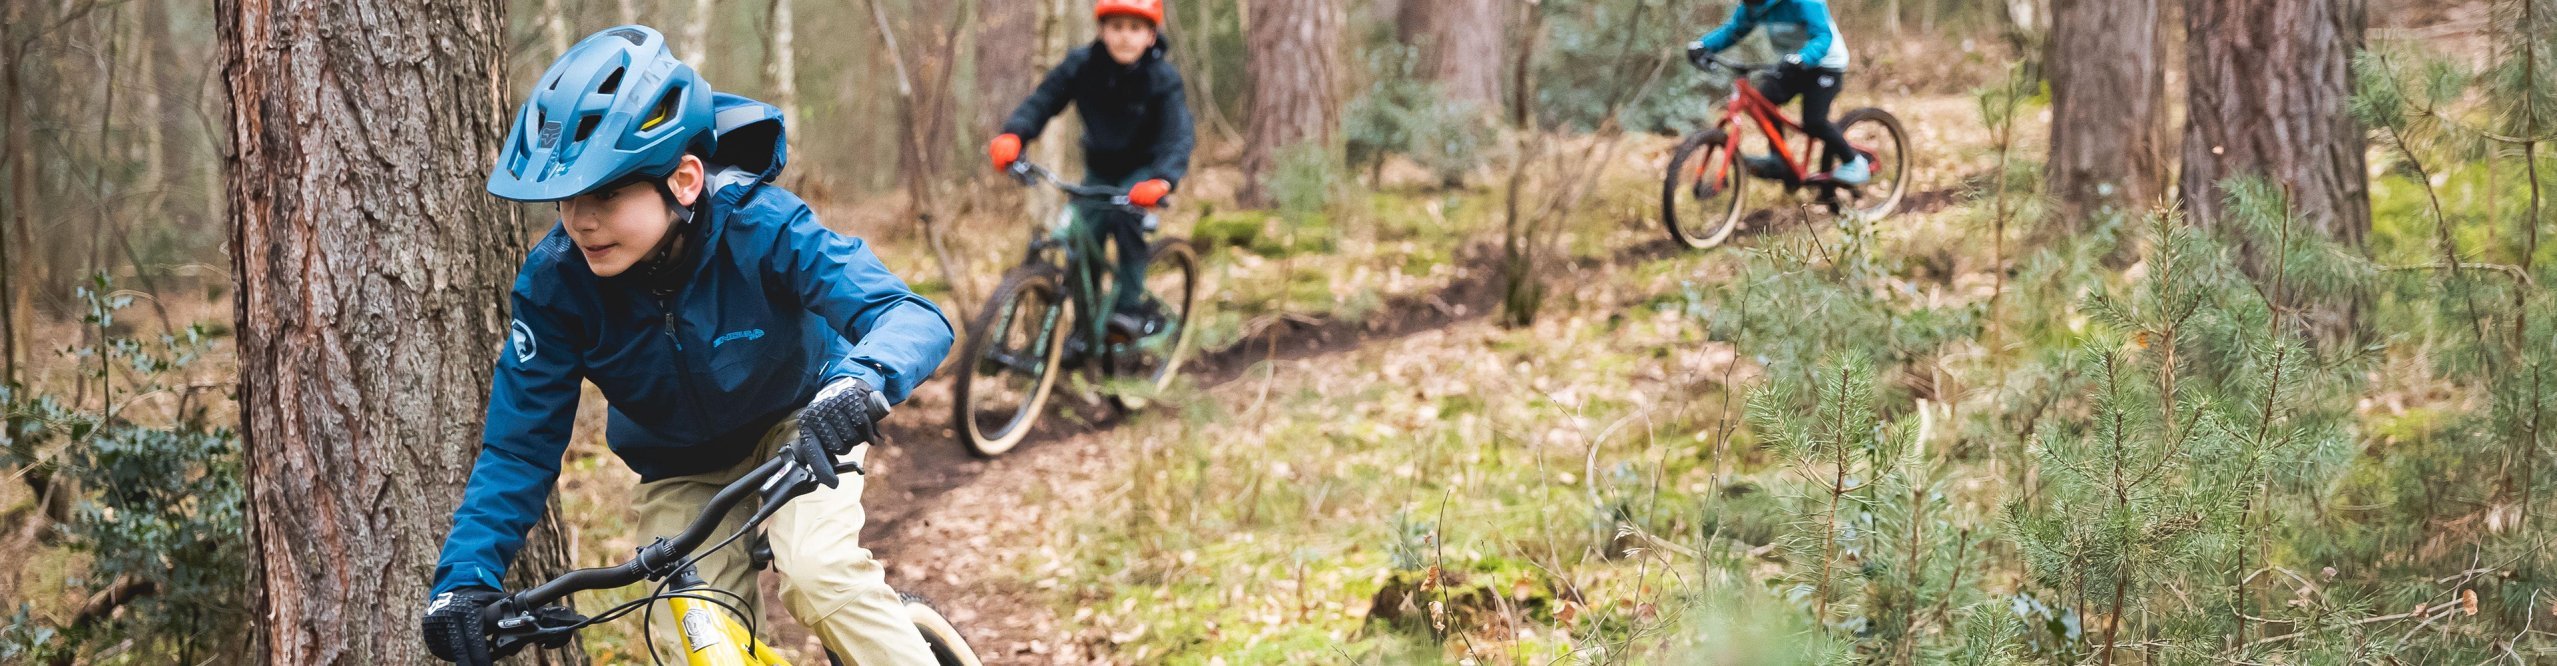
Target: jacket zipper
[683, 371]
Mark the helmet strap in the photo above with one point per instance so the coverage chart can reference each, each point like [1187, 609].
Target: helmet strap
[658, 269]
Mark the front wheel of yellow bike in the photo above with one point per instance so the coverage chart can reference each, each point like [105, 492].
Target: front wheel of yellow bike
[948, 647]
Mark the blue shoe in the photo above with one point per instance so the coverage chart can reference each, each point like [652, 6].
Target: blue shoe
[1857, 171]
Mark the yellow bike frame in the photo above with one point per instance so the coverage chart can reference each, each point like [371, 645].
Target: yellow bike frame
[712, 638]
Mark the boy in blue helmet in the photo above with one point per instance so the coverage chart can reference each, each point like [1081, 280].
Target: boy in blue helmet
[718, 318]
[1813, 68]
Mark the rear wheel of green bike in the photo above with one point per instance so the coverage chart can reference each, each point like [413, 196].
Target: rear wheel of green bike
[1015, 352]
[1700, 198]
[1150, 363]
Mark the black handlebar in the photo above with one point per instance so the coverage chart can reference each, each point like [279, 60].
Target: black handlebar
[528, 617]
[1734, 65]
[656, 557]
[1029, 174]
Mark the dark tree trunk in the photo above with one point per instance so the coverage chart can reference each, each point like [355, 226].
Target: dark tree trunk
[1293, 49]
[2268, 83]
[1007, 61]
[21, 185]
[2108, 108]
[1460, 49]
[372, 272]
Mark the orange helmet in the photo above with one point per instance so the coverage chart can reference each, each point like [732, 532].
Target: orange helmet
[1150, 10]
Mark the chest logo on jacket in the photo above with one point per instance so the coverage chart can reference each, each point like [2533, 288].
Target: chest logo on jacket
[751, 334]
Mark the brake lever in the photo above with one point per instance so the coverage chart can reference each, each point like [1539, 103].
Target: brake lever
[549, 627]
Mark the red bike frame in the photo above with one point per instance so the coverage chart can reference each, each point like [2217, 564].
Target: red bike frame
[1747, 101]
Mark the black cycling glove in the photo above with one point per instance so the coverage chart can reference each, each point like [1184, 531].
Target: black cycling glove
[454, 628]
[844, 415]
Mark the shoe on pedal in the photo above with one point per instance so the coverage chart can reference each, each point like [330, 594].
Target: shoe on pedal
[1766, 166]
[1857, 171]
[1136, 322]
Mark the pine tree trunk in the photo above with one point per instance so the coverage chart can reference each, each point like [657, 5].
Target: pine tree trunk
[2108, 108]
[696, 47]
[1058, 34]
[1007, 60]
[2268, 82]
[369, 302]
[627, 10]
[1460, 47]
[1293, 50]
[555, 27]
[21, 187]
[785, 62]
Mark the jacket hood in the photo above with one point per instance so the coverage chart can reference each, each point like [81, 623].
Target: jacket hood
[750, 137]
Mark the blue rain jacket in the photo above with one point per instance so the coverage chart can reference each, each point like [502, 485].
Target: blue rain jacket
[771, 307]
[1793, 26]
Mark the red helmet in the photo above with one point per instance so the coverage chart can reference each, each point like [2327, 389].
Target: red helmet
[1150, 10]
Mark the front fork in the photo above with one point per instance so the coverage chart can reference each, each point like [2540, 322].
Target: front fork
[710, 636]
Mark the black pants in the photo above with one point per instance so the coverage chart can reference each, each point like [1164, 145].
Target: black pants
[1818, 88]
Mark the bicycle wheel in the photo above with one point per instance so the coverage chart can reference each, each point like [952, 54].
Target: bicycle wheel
[1172, 279]
[1878, 135]
[1700, 197]
[1015, 351]
[948, 647]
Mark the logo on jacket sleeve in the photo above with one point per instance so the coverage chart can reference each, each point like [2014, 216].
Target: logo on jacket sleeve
[521, 338]
[750, 334]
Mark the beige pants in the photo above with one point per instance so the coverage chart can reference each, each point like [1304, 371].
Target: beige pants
[828, 581]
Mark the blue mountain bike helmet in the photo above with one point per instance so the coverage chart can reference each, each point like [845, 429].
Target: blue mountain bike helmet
[616, 108]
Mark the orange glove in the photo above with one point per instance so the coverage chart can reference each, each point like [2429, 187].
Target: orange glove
[1005, 150]
[1149, 193]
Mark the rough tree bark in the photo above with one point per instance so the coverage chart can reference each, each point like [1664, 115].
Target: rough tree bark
[372, 272]
[1293, 47]
[2267, 84]
[1460, 46]
[2108, 107]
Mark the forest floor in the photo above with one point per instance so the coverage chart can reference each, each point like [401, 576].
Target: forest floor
[1356, 413]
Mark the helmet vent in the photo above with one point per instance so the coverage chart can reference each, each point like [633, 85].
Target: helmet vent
[611, 82]
[636, 37]
[665, 110]
[586, 128]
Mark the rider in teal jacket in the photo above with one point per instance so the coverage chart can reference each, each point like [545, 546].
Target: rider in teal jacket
[1814, 67]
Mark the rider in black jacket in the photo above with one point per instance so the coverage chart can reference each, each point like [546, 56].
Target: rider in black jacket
[1136, 132]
